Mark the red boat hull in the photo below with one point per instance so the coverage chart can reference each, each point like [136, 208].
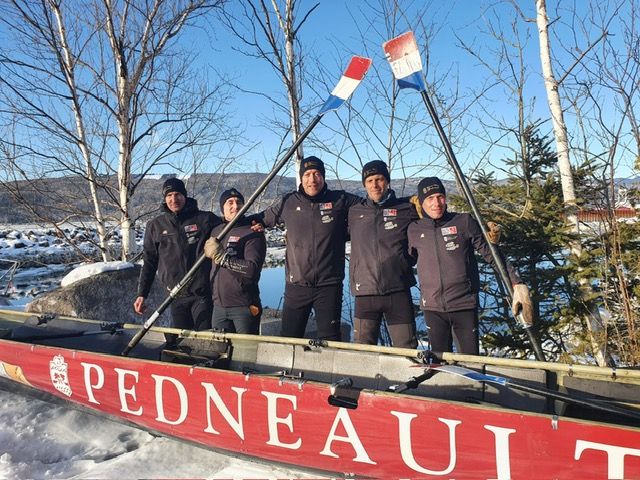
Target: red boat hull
[387, 435]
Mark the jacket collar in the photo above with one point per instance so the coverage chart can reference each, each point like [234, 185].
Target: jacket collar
[388, 200]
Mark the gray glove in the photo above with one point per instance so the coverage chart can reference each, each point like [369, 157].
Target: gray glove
[522, 303]
[214, 251]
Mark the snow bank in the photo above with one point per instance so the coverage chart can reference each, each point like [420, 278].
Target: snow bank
[91, 269]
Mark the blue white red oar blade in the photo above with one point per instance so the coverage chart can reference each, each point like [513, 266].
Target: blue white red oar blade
[470, 374]
[350, 80]
[404, 57]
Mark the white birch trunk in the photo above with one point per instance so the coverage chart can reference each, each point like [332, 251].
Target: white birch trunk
[67, 64]
[290, 81]
[124, 134]
[593, 321]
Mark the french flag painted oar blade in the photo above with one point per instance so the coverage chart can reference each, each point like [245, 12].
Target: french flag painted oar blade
[350, 80]
[404, 57]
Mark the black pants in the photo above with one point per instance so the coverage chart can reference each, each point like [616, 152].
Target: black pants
[397, 309]
[326, 303]
[446, 327]
[191, 312]
[236, 320]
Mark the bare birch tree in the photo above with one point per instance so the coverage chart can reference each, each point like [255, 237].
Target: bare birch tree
[113, 70]
[269, 31]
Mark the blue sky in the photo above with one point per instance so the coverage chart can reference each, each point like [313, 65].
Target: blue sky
[473, 104]
[331, 35]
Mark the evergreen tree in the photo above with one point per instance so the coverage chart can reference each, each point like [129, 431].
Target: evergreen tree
[529, 207]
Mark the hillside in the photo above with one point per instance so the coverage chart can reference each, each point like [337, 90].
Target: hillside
[61, 197]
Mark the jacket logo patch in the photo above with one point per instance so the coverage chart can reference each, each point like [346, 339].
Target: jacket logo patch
[327, 219]
[390, 212]
[326, 206]
[390, 225]
[234, 239]
[451, 246]
[449, 230]
[191, 228]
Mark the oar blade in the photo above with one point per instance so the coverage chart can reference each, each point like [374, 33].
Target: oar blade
[349, 81]
[470, 374]
[403, 56]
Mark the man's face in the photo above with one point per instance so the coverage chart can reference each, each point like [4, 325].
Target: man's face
[231, 208]
[175, 201]
[312, 182]
[435, 205]
[376, 186]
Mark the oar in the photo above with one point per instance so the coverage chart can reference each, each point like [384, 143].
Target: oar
[404, 57]
[545, 392]
[347, 84]
[107, 328]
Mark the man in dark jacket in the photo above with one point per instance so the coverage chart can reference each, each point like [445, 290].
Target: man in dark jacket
[235, 276]
[380, 267]
[444, 244]
[316, 222]
[173, 241]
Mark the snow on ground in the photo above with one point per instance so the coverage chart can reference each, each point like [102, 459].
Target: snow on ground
[41, 440]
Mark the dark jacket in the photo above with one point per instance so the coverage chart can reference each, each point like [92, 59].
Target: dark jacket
[447, 266]
[235, 281]
[316, 234]
[380, 262]
[172, 244]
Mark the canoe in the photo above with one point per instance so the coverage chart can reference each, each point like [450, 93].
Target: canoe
[345, 409]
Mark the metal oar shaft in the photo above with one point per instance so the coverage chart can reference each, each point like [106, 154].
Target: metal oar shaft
[594, 404]
[462, 181]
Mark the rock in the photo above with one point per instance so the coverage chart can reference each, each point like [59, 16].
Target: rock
[108, 297]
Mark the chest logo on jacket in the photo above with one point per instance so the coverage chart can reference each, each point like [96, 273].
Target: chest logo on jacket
[450, 235]
[325, 211]
[192, 233]
[390, 225]
[389, 215]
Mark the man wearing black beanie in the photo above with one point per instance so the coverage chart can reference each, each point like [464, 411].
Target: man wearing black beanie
[444, 244]
[380, 268]
[173, 241]
[238, 260]
[316, 221]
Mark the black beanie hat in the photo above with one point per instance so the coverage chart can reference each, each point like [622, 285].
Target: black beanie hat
[375, 167]
[173, 185]
[311, 163]
[428, 186]
[227, 194]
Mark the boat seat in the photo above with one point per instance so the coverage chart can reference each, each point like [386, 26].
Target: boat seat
[199, 352]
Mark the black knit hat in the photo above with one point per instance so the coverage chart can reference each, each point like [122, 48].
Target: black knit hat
[311, 163]
[375, 167]
[428, 186]
[173, 185]
[227, 194]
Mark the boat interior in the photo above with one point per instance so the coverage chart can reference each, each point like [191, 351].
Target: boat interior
[578, 391]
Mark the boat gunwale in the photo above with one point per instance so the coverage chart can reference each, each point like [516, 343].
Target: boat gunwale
[619, 375]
